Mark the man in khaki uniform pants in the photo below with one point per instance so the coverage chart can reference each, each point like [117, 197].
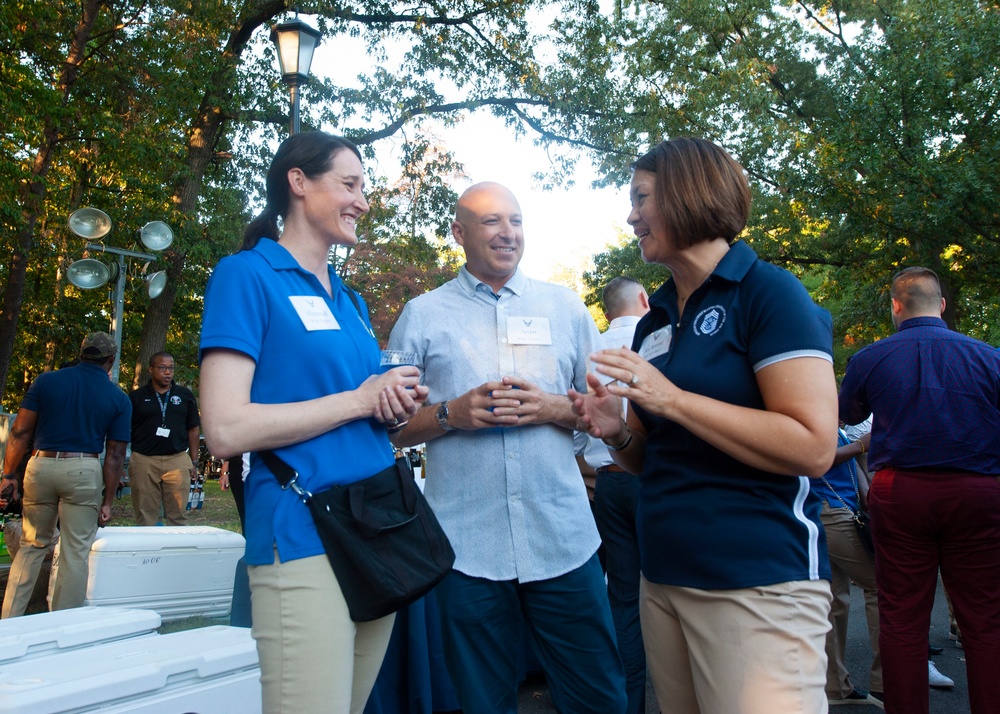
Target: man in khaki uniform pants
[72, 414]
[165, 440]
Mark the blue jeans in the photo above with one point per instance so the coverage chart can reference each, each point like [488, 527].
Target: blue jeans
[616, 496]
[481, 624]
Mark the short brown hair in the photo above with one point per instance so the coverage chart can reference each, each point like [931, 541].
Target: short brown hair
[701, 190]
[917, 289]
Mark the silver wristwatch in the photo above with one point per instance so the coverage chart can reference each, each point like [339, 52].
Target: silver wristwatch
[442, 417]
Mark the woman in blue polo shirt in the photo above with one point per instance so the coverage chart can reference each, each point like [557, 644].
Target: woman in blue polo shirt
[733, 399]
[289, 363]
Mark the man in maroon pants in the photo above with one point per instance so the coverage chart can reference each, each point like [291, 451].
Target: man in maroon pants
[935, 499]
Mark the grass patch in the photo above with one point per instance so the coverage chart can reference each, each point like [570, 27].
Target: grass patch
[219, 510]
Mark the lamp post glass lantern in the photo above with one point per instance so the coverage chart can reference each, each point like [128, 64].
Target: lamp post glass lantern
[296, 41]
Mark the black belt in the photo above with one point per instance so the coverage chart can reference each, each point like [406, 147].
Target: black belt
[612, 469]
[64, 454]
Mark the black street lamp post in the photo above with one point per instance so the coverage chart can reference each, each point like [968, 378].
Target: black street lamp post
[296, 42]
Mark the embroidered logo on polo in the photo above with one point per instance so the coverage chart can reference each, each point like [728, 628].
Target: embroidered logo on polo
[175, 400]
[709, 321]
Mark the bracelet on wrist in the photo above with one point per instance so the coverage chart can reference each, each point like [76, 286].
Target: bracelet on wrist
[396, 428]
[863, 447]
[623, 444]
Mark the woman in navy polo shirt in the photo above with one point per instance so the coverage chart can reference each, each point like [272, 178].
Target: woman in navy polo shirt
[290, 364]
[733, 401]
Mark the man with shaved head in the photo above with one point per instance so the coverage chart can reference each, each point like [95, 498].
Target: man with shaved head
[499, 351]
[935, 498]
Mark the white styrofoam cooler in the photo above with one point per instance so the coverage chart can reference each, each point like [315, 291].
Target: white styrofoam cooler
[47, 633]
[211, 670]
[178, 571]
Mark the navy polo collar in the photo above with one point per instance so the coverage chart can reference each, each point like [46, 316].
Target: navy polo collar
[733, 267]
[922, 322]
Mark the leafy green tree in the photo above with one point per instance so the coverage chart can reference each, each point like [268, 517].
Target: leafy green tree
[170, 111]
[869, 131]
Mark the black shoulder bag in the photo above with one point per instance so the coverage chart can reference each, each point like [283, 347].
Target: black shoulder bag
[383, 541]
[862, 523]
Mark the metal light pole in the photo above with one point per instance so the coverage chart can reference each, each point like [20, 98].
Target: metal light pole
[87, 274]
[119, 307]
[296, 42]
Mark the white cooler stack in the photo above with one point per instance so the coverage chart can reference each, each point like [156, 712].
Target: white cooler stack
[178, 571]
[211, 670]
[25, 638]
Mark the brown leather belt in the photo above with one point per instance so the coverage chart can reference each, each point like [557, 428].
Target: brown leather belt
[64, 454]
[613, 468]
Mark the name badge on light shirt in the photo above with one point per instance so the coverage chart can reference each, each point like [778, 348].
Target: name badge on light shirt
[314, 312]
[657, 343]
[528, 331]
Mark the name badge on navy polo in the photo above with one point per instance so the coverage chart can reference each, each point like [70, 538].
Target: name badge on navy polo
[528, 331]
[314, 312]
[657, 343]
[709, 321]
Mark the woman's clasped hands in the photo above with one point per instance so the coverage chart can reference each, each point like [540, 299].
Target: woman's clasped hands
[399, 394]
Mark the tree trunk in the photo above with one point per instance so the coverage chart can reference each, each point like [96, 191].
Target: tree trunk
[156, 320]
[205, 131]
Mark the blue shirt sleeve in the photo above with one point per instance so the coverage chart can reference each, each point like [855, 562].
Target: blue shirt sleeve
[241, 330]
[784, 322]
[121, 425]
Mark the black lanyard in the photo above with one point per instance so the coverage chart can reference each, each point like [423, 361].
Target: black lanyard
[163, 405]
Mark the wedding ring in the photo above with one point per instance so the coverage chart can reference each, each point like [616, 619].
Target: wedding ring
[634, 381]
[393, 422]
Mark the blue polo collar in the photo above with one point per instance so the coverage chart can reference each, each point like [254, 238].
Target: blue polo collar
[278, 257]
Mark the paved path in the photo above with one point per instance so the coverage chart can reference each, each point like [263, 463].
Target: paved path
[534, 697]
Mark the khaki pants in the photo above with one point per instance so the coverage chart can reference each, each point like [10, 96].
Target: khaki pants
[160, 481]
[313, 658]
[67, 490]
[753, 650]
[848, 561]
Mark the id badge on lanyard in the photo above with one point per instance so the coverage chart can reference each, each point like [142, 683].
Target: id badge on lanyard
[163, 430]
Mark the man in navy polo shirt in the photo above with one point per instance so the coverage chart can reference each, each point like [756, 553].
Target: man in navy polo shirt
[935, 498]
[72, 414]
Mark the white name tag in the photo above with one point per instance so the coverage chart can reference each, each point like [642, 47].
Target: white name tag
[528, 331]
[314, 312]
[657, 343]
[162, 431]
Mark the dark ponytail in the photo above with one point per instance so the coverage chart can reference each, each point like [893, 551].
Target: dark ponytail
[312, 152]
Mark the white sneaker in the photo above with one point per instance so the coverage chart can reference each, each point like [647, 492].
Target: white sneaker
[936, 679]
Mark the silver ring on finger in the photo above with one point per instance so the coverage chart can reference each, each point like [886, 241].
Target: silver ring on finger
[634, 381]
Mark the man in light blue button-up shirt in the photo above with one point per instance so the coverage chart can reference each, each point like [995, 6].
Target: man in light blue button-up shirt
[499, 351]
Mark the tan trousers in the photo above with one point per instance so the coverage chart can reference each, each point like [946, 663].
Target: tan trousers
[848, 561]
[747, 651]
[313, 658]
[69, 491]
[160, 481]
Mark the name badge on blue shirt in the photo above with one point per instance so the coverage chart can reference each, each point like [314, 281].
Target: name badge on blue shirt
[657, 343]
[314, 312]
[528, 331]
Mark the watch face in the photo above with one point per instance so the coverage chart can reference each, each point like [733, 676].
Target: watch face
[442, 416]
